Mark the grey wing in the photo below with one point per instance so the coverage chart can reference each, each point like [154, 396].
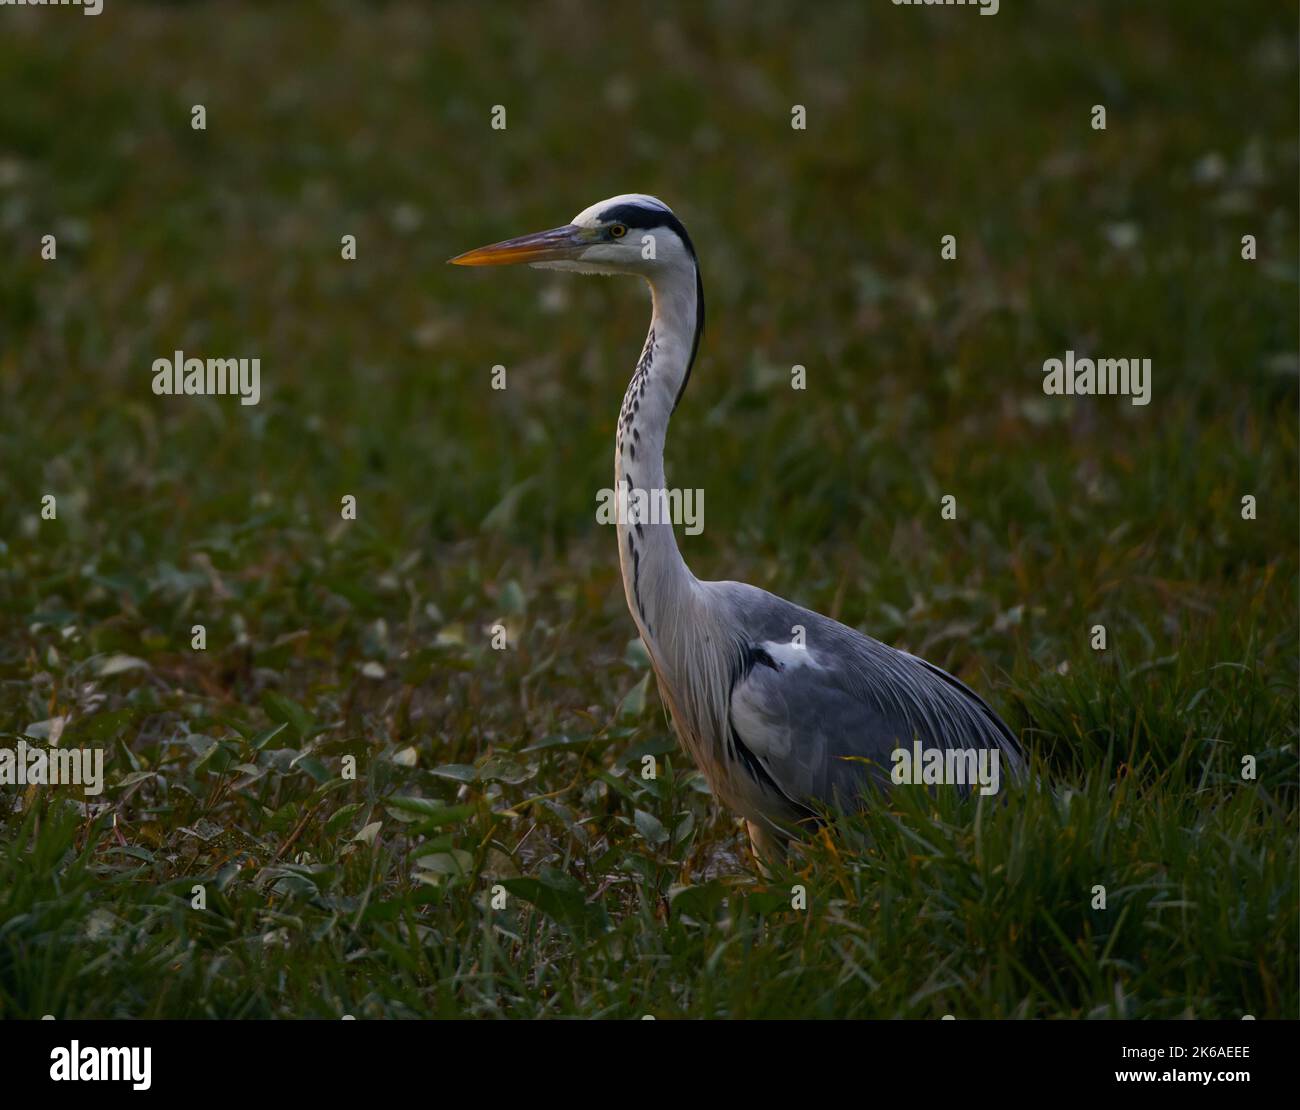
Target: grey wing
[823, 719]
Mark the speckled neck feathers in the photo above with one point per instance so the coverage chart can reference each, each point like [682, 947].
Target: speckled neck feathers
[655, 578]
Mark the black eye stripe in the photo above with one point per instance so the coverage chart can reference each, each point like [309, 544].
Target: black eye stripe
[634, 215]
[640, 218]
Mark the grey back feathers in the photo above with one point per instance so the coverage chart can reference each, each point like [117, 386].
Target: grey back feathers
[824, 718]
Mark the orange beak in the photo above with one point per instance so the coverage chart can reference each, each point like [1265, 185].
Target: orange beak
[542, 246]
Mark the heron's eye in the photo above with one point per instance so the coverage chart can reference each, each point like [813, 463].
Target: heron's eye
[617, 231]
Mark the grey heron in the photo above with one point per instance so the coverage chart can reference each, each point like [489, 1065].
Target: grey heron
[787, 713]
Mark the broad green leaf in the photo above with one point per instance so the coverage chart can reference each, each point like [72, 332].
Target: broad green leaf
[314, 767]
[367, 835]
[280, 708]
[431, 814]
[634, 702]
[511, 599]
[455, 862]
[119, 664]
[457, 772]
[341, 816]
[561, 898]
[264, 737]
[700, 902]
[650, 827]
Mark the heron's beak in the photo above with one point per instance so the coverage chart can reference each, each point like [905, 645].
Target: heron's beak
[542, 246]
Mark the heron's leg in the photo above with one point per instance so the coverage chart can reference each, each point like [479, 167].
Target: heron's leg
[768, 845]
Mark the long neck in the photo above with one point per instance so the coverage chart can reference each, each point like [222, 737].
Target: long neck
[659, 586]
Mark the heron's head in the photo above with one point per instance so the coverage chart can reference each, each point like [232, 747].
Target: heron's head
[628, 234]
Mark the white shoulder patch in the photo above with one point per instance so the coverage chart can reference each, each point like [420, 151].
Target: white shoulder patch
[790, 655]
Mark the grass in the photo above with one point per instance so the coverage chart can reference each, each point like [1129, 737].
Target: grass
[520, 769]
